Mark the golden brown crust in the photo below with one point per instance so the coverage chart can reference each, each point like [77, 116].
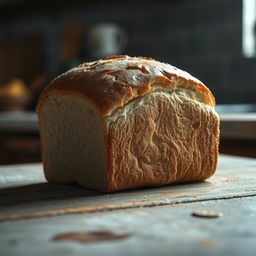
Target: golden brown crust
[159, 124]
[112, 82]
[149, 146]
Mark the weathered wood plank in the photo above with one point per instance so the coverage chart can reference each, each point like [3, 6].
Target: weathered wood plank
[24, 192]
[170, 230]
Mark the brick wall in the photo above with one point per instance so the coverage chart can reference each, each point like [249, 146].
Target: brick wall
[204, 37]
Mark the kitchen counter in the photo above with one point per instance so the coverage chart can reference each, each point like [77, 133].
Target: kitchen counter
[19, 137]
[38, 218]
[238, 121]
[18, 122]
[238, 126]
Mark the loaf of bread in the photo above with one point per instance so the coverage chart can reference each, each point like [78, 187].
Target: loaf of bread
[127, 122]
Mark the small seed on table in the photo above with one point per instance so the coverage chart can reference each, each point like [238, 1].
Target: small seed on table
[207, 214]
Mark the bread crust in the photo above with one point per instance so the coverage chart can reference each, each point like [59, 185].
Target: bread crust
[159, 123]
[149, 146]
[113, 82]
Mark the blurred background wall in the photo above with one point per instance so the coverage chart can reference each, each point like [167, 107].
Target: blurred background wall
[41, 39]
[203, 37]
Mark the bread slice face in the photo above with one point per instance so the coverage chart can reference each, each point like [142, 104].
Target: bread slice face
[72, 141]
[118, 124]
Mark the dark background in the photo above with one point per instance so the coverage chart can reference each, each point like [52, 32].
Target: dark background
[203, 37]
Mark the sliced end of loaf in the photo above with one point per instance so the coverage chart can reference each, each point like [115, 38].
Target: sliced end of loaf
[73, 142]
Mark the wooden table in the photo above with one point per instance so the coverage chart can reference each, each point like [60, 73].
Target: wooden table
[37, 218]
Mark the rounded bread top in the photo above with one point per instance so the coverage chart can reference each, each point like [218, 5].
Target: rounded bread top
[111, 83]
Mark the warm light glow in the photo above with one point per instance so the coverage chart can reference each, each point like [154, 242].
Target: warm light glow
[249, 28]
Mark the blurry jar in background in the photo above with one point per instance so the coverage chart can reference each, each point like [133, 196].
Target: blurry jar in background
[106, 39]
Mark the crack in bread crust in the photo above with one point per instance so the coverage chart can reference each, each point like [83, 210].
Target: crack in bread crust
[112, 82]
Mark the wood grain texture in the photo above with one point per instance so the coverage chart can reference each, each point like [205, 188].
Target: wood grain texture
[164, 231]
[24, 192]
[152, 221]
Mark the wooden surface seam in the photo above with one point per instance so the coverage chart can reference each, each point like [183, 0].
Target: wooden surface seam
[117, 207]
